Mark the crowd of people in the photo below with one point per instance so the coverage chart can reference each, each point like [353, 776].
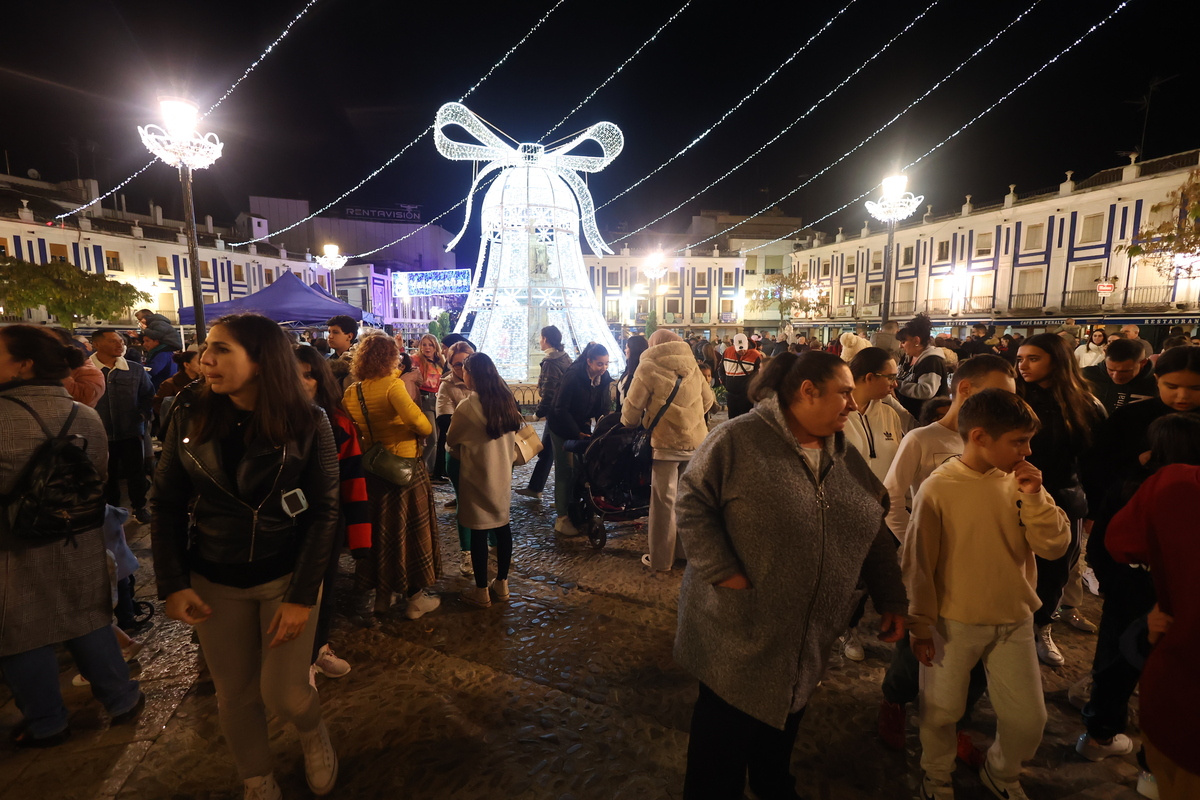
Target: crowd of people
[965, 488]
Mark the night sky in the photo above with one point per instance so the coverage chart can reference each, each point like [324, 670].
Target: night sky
[356, 80]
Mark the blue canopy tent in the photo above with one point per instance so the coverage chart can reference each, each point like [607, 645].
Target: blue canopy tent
[321, 290]
[287, 300]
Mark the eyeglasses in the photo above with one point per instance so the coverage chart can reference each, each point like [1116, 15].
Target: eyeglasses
[891, 377]
[459, 365]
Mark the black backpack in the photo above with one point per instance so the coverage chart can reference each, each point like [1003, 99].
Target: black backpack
[59, 494]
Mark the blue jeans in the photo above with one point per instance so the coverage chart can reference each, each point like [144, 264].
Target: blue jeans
[33, 678]
[545, 460]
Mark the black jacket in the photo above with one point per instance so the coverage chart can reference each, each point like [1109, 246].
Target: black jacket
[577, 402]
[1113, 396]
[975, 347]
[221, 527]
[1057, 453]
[554, 366]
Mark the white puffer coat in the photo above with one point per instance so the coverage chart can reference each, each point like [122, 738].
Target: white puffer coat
[683, 426]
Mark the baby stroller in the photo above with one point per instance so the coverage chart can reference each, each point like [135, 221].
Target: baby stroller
[613, 476]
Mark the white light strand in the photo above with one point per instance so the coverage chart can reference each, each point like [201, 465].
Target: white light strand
[624, 64]
[961, 128]
[260, 58]
[228, 92]
[408, 146]
[725, 116]
[877, 131]
[793, 124]
[411, 233]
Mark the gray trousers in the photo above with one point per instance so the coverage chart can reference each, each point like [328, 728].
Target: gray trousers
[665, 546]
[253, 679]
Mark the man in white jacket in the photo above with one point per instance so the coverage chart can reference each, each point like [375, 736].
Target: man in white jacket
[968, 564]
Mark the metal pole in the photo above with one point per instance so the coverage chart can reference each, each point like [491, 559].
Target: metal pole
[887, 274]
[189, 218]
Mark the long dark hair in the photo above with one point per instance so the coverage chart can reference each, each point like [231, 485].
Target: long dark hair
[1070, 391]
[1174, 439]
[283, 412]
[329, 392]
[637, 345]
[53, 359]
[500, 409]
[786, 372]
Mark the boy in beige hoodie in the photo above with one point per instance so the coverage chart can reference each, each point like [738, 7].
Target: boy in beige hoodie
[968, 563]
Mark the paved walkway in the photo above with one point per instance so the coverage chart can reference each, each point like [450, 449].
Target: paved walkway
[568, 691]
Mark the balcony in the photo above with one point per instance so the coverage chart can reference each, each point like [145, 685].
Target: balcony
[1027, 301]
[979, 303]
[1148, 297]
[612, 318]
[1080, 300]
[844, 311]
[872, 310]
[904, 307]
[700, 319]
[937, 305]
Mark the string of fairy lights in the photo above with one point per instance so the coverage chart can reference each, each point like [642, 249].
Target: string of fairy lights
[731, 110]
[410, 145]
[792, 124]
[1095, 27]
[253, 65]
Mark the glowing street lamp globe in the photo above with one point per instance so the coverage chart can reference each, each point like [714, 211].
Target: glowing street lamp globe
[895, 204]
[176, 142]
[331, 259]
[655, 266]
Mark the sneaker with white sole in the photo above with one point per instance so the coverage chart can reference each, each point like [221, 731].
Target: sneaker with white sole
[465, 567]
[1047, 651]
[936, 790]
[564, 527]
[330, 665]
[263, 787]
[1147, 785]
[320, 760]
[852, 646]
[499, 589]
[1004, 791]
[477, 596]
[421, 604]
[1092, 750]
[1078, 621]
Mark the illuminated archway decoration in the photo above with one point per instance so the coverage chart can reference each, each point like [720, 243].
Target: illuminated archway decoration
[530, 271]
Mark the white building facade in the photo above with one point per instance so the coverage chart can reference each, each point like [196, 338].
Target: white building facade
[1030, 262]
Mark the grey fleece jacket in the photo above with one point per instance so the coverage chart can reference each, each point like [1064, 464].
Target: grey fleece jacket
[802, 544]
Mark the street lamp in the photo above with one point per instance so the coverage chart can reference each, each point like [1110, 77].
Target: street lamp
[655, 267]
[331, 259]
[179, 145]
[894, 205]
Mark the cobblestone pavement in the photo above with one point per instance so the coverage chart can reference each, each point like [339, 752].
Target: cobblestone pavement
[568, 691]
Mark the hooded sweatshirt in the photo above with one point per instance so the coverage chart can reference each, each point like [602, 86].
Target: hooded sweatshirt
[875, 431]
[924, 378]
[969, 551]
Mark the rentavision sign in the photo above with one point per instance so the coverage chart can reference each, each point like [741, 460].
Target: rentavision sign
[401, 213]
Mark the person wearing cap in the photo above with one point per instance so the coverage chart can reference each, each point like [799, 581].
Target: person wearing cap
[739, 365]
[159, 342]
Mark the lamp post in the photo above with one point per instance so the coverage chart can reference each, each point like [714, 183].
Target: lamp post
[178, 144]
[331, 259]
[894, 205]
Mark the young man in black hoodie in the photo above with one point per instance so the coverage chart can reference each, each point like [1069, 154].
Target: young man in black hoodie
[1125, 376]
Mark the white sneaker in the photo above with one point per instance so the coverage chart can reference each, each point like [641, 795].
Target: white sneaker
[477, 596]
[1047, 651]
[330, 665]
[1147, 785]
[1092, 750]
[936, 790]
[263, 787]
[421, 604]
[1091, 582]
[564, 527]
[320, 760]
[500, 589]
[1005, 791]
[852, 646]
[465, 568]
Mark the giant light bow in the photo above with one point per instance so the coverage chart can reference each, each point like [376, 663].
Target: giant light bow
[530, 270]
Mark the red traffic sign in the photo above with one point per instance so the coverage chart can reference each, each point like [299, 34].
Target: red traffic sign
[1105, 288]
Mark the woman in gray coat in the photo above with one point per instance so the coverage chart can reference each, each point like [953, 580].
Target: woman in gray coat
[50, 593]
[772, 570]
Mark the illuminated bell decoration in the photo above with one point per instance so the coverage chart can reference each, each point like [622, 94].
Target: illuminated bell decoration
[530, 271]
[331, 259]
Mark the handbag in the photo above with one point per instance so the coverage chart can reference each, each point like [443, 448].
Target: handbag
[381, 462]
[641, 449]
[527, 445]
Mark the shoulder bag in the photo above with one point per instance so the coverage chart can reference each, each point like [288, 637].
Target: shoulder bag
[642, 449]
[527, 445]
[381, 462]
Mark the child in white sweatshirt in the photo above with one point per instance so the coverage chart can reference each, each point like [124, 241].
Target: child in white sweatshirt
[968, 563]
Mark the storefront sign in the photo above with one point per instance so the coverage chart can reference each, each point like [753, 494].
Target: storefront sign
[433, 283]
[401, 213]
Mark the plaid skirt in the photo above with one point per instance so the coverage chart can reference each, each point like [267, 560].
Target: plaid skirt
[405, 555]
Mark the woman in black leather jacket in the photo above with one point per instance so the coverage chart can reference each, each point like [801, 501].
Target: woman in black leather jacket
[1050, 381]
[245, 509]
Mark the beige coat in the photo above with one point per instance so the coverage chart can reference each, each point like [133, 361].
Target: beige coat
[485, 476]
[452, 392]
[683, 426]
